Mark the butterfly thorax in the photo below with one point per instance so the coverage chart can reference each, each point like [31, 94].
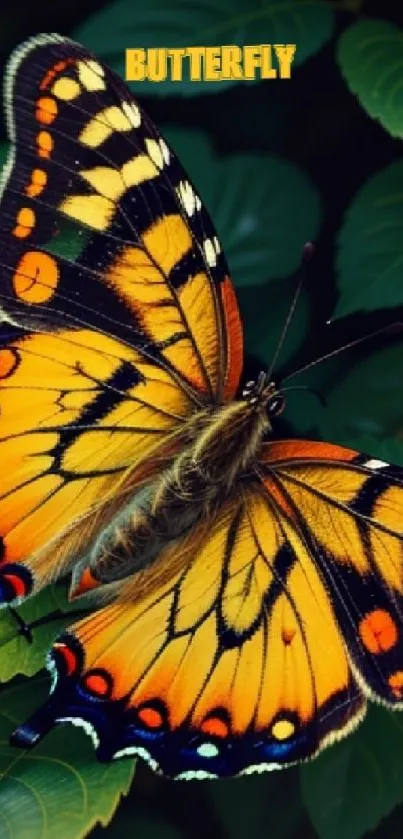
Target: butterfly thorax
[220, 445]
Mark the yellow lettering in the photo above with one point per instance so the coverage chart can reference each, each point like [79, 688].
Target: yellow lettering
[136, 65]
[176, 55]
[268, 71]
[196, 54]
[157, 64]
[212, 64]
[285, 56]
[252, 58]
[231, 63]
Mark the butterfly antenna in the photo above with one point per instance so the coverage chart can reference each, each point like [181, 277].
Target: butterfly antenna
[393, 327]
[307, 253]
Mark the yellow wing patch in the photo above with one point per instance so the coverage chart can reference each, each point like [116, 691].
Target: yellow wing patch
[78, 414]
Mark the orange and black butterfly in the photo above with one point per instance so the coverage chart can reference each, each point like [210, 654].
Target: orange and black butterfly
[248, 590]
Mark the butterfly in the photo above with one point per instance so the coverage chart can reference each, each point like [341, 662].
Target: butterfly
[245, 592]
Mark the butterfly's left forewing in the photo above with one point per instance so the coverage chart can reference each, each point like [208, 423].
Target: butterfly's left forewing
[149, 269]
[125, 319]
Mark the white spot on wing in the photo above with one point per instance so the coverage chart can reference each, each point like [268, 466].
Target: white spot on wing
[132, 111]
[154, 151]
[259, 768]
[187, 197]
[50, 664]
[91, 75]
[210, 254]
[195, 775]
[375, 464]
[165, 151]
[208, 750]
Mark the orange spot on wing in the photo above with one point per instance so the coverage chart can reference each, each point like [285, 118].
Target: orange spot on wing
[36, 277]
[234, 338]
[215, 726]
[150, 717]
[8, 362]
[46, 110]
[17, 584]
[25, 223]
[44, 143]
[287, 634]
[37, 183]
[68, 656]
[396, 684]
[54, 71]
[378, 631]
[97, 683]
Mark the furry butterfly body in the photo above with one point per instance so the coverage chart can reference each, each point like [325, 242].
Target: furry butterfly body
[245, 593]
[218, 447]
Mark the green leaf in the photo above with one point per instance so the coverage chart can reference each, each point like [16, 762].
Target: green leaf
[132, 824]
[370, 245]
[351, 787]
[264, 208]
[365, 402]
[58, 789]
[124, 24]
[370, 54]
[262, 334]
[17, 656]
[247, 814]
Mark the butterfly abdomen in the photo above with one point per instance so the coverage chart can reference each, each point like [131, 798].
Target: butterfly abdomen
[132, 542]
[220, 445]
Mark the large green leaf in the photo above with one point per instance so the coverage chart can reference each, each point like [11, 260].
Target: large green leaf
[370, 54]
[264, 208]
[124, 24]
[370, 245]
[263, 806]
[50, 611]
[58, 789]
[351, 787]
[367, 400]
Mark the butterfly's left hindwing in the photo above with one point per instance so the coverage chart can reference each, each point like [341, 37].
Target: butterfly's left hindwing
[128, 321]
[233, 665]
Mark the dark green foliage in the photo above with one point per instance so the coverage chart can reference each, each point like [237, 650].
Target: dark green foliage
[277, 163]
